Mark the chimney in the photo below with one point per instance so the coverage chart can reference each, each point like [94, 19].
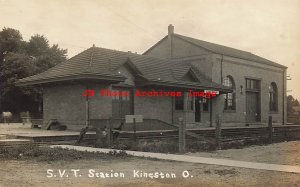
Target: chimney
[170, 38]
[170, 29]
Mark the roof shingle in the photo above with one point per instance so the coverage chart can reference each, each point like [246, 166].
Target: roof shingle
[96, 61]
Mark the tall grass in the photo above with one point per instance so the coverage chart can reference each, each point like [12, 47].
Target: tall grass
[44, 153]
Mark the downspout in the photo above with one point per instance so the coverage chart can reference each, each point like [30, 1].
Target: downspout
[87, 109]
[222, 69]
[170, 39]
[87, 101]
[283, 97]
[172, 110]
[210, 112]
[210, 101]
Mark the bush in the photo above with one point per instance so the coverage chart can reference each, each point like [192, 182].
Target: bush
[198, 145]
[125, 145]
[162, 146]
[159, 146]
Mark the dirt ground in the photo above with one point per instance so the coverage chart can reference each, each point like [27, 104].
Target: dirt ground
[287, 153]
[34, 173]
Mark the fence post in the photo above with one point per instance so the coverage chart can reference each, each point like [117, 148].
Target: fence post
[218, 132]
[109, 132]
[100, 137]
[28, 119]
[181, 135]
[270, 129]
[134, 130]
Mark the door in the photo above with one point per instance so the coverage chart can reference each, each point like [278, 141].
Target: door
[252, 107]
[197, 109]
[122, 104]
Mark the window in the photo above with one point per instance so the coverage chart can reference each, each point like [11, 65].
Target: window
[179, 104]
[125, 95]
[119, 94]
[115, 96]
[229, 98]
[273, 97]
[252, 84]
[205, 105]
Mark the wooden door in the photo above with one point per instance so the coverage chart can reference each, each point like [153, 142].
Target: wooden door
[252, 107]
[122, 105]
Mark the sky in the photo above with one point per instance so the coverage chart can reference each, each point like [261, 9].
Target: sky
[268, 28]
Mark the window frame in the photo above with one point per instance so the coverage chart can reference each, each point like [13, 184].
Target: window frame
[229, 81]
[205, 102]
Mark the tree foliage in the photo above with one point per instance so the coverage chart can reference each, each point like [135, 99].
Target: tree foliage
[19, 59]
[291, 102]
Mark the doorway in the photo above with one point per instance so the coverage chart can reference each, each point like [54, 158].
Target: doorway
[252, 105]
[122, 105]
[252, 100]
[197, 109]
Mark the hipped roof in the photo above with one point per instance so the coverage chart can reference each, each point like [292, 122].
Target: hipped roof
[103, 64]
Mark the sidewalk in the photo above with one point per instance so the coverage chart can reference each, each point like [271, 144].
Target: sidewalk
[194, 159]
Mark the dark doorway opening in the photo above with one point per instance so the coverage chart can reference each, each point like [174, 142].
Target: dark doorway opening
[122, 105]
[197, 109]
[253, 100]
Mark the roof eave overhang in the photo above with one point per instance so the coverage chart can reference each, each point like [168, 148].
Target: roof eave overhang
[187, 86]
[275, 64]
[113, 79]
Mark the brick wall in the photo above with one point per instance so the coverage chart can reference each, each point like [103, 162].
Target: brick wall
[240, 70]
[209, 64]
[65, 103]
[154, 107]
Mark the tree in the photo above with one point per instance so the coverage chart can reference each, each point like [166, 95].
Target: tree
[45, 56]
[19, 59]
[291, 102]
[10, 41]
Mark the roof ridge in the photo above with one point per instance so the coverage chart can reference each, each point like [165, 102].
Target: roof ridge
[228, 51]
[92, 54]
[210, 43]
[144, 53]
[115, 50]
[91, 59]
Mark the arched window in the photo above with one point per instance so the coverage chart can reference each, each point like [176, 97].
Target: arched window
[229, 97]
[273, 96]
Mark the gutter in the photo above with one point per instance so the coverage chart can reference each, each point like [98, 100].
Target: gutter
[182, 85]
[69, 78]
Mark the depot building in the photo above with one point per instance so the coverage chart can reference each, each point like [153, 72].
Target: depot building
[249, 88]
